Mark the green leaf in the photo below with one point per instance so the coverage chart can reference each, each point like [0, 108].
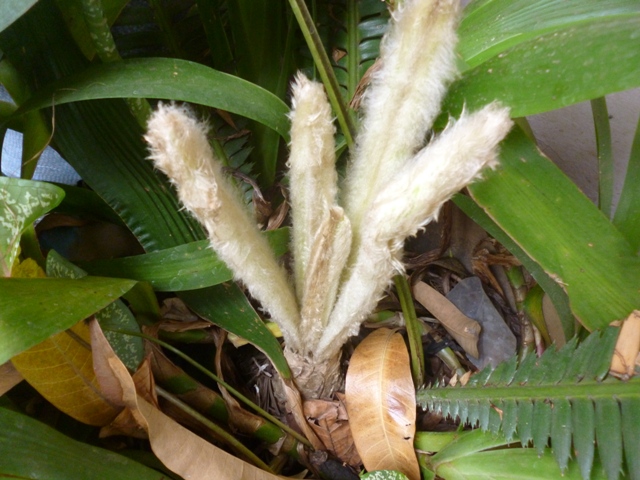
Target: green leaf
[529, 198]
[114, 316]
[226, 306]
[552, 70]
[559, 395]
[627, 216]
[167, 79]
[493, 26]
[54, 304]
[21, 203]
[31, 449]
[185, 267]
[11, 10]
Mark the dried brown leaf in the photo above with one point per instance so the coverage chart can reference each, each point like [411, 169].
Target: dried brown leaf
[465, 330]
[330, 421]
[627, 347]
[9, 377]
[179, 449]
[381, 403]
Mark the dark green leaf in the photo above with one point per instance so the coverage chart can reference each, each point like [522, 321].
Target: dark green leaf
[564, 410]
[185, 267]
[33, 450]
[561, 432]
[114, 316]
[226, 306]
[167, 79]
[583, 423]
[54, 304]
[627, 216]
[631, 434]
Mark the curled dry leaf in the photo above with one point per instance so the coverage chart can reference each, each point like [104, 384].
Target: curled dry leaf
[330, 421]
[465, 330]
[625, 356]
[381, 403]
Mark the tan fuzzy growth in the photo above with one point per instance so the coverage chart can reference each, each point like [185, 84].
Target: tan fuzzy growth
[321, 232]
[409, 201]
[418, 62]
[179, 147]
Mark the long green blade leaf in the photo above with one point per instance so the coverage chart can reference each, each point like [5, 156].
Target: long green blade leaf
[492, 26]
[560, 229]
[167, 79]
[221, 306]
[556, 69]
[33, 309]
[185, 267]
[31, 449]
[627, 217]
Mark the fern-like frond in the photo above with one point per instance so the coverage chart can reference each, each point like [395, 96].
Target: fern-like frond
[564, 395]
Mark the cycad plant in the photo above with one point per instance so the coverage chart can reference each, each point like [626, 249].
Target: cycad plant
[413, 128]
[344, 257]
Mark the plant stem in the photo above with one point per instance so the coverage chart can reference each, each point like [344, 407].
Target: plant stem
[239, 447]
[414, 329]
[323, 64]
[605, 154]
[627, 217]
[217, 379]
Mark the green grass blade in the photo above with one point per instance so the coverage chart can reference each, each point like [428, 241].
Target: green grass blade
[562, 231]
[31, 449]
[325, 70]
[627, 217]
[541, 428]
[550, 71]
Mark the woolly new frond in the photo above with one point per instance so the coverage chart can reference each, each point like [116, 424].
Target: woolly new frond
[409, 200]
[418, 62]
[179, 147]
[563, 395]
[321, 232]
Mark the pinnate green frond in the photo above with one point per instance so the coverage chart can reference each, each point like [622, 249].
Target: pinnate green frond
[565, 395]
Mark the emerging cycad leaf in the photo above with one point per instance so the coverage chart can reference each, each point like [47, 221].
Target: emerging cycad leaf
[563, 395]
